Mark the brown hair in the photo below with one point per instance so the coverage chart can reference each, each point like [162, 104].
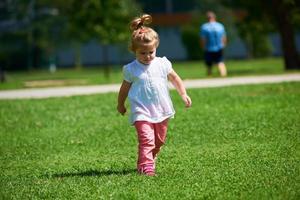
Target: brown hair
[210, 15]
[141, 34]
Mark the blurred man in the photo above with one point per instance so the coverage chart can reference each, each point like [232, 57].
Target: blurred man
[213, 40]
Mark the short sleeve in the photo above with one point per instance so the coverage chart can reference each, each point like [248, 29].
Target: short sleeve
[202, 32]
[127, 76]
[167, 65]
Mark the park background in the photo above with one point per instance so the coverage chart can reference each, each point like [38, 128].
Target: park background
[237, 142]
[42, 34]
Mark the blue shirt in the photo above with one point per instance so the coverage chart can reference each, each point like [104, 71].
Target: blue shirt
[212, 33]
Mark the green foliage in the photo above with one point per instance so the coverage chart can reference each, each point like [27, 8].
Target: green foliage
[254, 25]
[48, 25]
[190, 39]
[237, 142]
[294, 10]
[256, 38]
[36, 29]
[12, 46]
[105, 20]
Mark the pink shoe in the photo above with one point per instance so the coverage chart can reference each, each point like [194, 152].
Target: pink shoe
[147, 170]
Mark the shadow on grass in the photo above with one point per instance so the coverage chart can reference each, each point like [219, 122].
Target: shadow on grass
[95, 173]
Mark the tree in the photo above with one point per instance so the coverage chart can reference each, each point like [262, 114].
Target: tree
[106, 21]
[283, 15]
[265, 16]
[29, 26]
[44, 24]
[11, 35]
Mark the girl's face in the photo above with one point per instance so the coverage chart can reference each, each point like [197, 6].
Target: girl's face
[145, 54]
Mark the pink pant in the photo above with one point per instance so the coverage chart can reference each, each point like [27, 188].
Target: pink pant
[151, 137]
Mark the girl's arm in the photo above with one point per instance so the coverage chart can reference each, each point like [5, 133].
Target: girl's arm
[123, 93]
[177, 83]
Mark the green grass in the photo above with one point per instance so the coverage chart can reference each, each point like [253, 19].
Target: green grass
[194, 70]
[92, 76]
[238, 142]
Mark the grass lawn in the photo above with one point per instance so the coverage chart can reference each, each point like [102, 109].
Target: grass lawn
[93, 76]
[238, 142]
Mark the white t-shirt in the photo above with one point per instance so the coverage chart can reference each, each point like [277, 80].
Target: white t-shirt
[149, 93]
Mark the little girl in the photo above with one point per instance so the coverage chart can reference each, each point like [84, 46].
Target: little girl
[146, 85]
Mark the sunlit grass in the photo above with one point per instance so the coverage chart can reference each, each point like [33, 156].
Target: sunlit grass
[238, 142]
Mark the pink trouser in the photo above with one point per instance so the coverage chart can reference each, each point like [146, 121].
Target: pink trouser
[151, 137]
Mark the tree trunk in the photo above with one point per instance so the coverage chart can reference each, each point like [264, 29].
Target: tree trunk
[286, 29]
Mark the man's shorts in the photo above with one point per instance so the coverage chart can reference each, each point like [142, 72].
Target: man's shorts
[213, 57]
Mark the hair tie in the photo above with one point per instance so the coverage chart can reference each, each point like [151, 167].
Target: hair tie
[142, 30]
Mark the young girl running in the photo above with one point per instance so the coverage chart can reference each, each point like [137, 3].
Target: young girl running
[146, 85]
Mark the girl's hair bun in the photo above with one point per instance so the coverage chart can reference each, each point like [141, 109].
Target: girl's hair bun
[139, 22]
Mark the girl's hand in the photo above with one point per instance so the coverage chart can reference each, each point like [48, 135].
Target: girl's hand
[187, 100]
[121, 109]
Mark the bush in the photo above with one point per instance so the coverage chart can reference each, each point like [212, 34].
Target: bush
[190, 39]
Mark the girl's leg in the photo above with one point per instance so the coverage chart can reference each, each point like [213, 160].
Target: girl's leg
[145, 133]
[160, 132]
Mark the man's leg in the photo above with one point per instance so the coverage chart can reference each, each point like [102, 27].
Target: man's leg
[209, 70]
[208, 62]
[222, 69]
[221, 65]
